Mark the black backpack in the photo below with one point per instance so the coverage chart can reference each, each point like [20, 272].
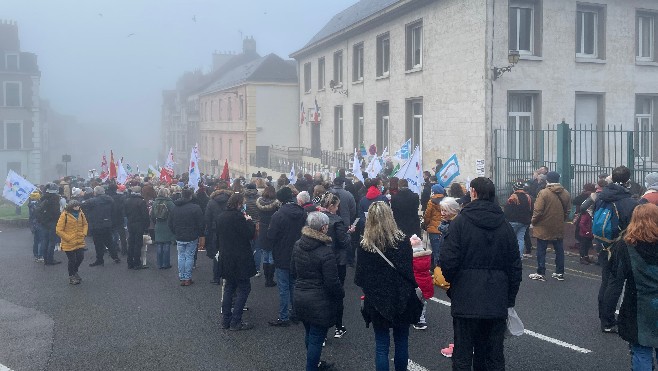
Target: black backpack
[160, 211]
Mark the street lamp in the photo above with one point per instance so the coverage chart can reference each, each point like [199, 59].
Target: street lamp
[66, 159]
[513, 59]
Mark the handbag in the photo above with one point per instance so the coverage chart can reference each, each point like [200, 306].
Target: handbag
[419, 293]
[439, 279]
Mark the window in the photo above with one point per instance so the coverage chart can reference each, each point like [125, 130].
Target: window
[646, 37]
[307, 77]
[12, 62]
[241, 152]
[321, 73]
[358, 129]
[338, 127]
[229, 108]
[414, 48]
[383, 55]
[230, 150]
[414, 127]
[589, 31]
[590, 116]
[212, 148]
[16, 166]
[221, 150]
[13, 135]
[219, 110]
[212, 109]
[338, 67]
[645, 139]
[241, 107]
[13, 94]
[357, 67]
[519, 126]
[382, 125]
[524, 26]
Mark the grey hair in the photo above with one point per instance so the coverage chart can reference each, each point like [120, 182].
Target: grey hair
[316, 220]
[163, 192]
[450, 206]
[98, 190]
[303, 197]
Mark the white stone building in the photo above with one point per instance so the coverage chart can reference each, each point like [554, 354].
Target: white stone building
[383, 71]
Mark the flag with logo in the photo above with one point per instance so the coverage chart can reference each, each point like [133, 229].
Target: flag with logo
[362, 148]
[195, 175]
[113, 166]
[374, 167]
[411, 171]
[225, 175]
[292, 177]
[167, 171]
[151, 172]
[104, 169]
[122, 174]
[449, 171]
[356, 167]
[403, 152]
[17, 189]
[316, 114]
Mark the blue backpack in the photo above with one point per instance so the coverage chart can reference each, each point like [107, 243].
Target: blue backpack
[605, 223]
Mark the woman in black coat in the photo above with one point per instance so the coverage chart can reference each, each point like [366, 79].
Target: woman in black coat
[234, 233]
[317, 288]
[267, 205]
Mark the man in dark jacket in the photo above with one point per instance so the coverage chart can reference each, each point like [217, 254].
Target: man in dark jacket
[426, 194]
[405, 210]
[137, 214]
[99, 211]
[480, 258]
[118, 216]
[518, 211]
[347, 206]
[187, 223]
[216, 205]
[284, 230]
[615, 195]
[47, 214]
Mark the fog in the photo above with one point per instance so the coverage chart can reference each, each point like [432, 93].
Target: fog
[106, 62]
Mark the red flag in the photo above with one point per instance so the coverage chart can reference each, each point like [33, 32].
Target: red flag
[113, 166]
[166, 175]
[225, 172]
[104, 170]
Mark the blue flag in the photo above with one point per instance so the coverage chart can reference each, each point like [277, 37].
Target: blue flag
[448, 172]
[403, 152]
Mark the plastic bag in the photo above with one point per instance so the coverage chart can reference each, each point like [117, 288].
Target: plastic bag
[514, 324]
[58, 247]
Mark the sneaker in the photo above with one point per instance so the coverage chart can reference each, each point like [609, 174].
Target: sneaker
[242, 326]
[537, 277]
[257, 274]
[609, 329]
[420, 326]
[77, 277]
[447, 352]
[558, 276]
[279, 323]
[54, 262]
[96, 264]
[340, 332]
[117, 260]
[40, 259]
[325, 366]
[324, 342]
[527, 255]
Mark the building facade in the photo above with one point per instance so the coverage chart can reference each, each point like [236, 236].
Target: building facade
[20, 128]
[386, 71]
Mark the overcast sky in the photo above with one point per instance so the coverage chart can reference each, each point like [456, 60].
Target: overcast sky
[106, 62]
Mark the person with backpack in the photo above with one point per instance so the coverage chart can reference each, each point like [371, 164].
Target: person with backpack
[583, 223]
[47, 215]
[612, 215]
[137, 214]
[33, 203]
[72, 229]
[164, 237]
[518, 212]
[99, 212]
[551, 210]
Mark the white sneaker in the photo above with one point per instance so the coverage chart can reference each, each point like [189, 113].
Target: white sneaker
[558, 276]
[537, 277]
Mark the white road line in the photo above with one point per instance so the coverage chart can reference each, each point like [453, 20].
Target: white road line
[535, 334]
[4, 368]
[413, 366]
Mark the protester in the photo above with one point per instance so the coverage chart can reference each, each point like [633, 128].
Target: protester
[187, 223]
[235, 231]
[72, 229]
[405, 210]
[250, 198]
[390, 300]
[635, 261]
[284, 230]
[428, 181]
[422, 264]
[552, 208]
[583, 223]
[47, 215]
[267, 205]
[160, 212]
[480, 259]
[318, 291]
[304, 199]
[456, 190]
[538, 181]
[37, 246]
[118, 216]
[99, 211]
[216, 205]
[432, 220]
[518, 212]
[651, 195]
[137, 215]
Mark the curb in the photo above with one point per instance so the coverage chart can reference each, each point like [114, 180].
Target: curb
[14, 223]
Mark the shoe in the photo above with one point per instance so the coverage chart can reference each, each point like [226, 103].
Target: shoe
[420, 326]
[527, 255]
[558, 276]
[39, 260]
[279, 323]
[257, 274]
[447, 352]
[117, 260]
[609, 329]
[185, 282]
[242, 326]
[216, 282]
[324, 342]
[72, 280]
[54, 262]
[77, 277]
[537, 277]
[325, 366]
[96, 264]
[585, 260]
[142, 267]
[167, 267]
[340, 332]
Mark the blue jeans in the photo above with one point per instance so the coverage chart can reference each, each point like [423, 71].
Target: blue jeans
[37, 245]
[186, 258]
[232, 309]
[285, 285]
[642, 357]
[48, 242]
[383, 342]
[541, 256]
[519, 231]
[258, 254]
[315, 336]
[435, 242]
[163, 254]
[267, 257]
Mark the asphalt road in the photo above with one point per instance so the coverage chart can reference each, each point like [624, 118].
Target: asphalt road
[119, 319]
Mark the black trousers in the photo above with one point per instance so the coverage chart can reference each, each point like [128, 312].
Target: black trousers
[103, 240]
[342, 272]
[121, 231]
[609, 292]
[527, 241]
[135, 242]
[75, 258]
[479, 344]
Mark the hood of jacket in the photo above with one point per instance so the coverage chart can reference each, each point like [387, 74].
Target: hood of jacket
[436, 199]
[319, 237]
[267, 204]
[221, 195]
[251, 193]
[292, 211]
[373, 192]
[104, 199]
[135, 195]
[484, 214]
[422, 252]
[555, 188]
[180, 202]
[648, 252]
[162, 199]
[614, 192]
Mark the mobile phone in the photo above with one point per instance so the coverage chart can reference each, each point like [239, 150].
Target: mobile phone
[355, 221]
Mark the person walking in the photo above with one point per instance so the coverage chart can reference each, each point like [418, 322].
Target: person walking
[267, 205]
[583, 223]
[99, 211]
[552, 208]
[405, 204]
[137, 214]
[47, 215]
[216, 205]
[518, 212]
[480, 258]
[160, 213]
[37, 247]
[432, 219]
[390, 300]
[318, 290]
[250, 208]
[187, 223]
[634, 261]
[72, 229]
[422, 264]
[119, 216]
[235, 231]
[651, 195]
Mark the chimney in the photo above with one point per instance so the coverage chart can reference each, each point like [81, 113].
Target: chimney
[249, 45]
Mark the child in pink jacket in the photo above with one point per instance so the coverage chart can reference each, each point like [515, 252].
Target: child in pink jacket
[422, 263]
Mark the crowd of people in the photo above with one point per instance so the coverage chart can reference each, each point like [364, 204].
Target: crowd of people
[302, 238]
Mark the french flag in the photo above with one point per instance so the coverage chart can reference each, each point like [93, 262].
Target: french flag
[316, 114]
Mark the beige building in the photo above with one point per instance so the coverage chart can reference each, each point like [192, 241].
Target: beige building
[383, 71]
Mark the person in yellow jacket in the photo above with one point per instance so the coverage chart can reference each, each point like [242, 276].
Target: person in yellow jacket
[72, 229]
[432, 220]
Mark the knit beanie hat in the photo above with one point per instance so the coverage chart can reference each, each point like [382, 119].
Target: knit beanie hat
[553, 177]
[518, 186]
[438, 189]
[284, 195]
[651, 180]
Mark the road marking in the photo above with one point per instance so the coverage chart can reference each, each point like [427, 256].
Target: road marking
[534, 334]
[4, 368]
[595, 278]
[413, 366]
